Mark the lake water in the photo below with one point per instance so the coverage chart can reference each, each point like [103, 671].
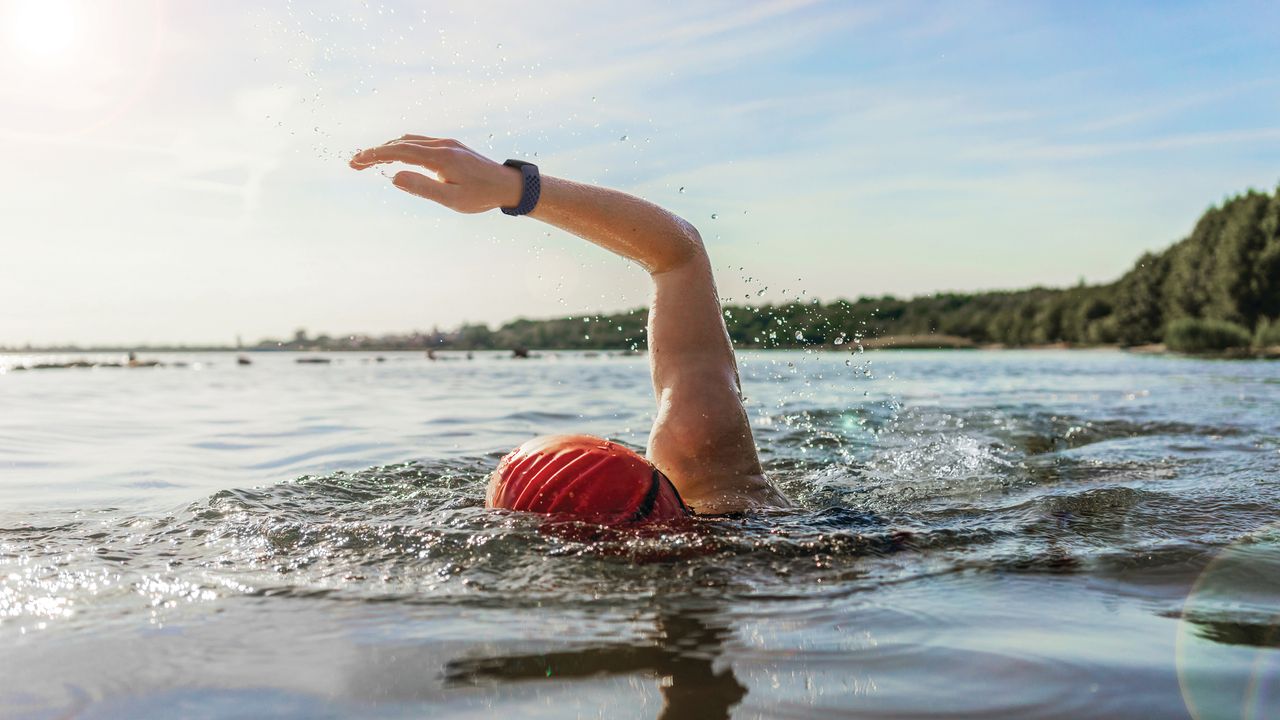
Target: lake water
[977, 534]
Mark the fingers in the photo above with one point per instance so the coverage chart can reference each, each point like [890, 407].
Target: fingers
[396, 151]
[421, 140]
[423, 186]
[427, 140]
[413, 153]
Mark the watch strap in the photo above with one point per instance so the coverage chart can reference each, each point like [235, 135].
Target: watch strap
[532, 187]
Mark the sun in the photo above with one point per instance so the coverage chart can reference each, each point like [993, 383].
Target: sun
[70, 66]
[42, 31]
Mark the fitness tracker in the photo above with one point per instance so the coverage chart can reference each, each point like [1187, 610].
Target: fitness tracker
[532, 187]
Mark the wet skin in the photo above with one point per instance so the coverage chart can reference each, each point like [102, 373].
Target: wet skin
[701, 437]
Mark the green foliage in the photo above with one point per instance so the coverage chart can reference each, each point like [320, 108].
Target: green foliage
[1140, 310]
[1268, 335]
[1235, 287]
[1194, 335]
[1229, 267]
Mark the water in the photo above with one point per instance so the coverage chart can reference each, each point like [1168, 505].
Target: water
[978, 534]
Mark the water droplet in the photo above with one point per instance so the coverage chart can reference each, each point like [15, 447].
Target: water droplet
[714, 216]
[681, 188]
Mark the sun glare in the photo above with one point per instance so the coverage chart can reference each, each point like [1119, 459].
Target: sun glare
[42, 31]
[68, 66]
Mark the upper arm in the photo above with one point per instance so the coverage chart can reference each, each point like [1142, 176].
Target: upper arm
[701, 436]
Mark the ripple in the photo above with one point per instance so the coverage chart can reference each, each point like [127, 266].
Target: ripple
[989, 524]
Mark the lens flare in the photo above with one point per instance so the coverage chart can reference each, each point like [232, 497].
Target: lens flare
[1229, 633]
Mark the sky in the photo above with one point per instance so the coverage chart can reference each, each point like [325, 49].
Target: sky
[176, 172]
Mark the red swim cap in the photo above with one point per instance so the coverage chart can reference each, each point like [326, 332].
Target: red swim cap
[586, 477]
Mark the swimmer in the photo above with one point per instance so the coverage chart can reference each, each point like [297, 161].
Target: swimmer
[701, 457]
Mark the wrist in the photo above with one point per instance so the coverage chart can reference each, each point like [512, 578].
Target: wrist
[510, 186]
[530, 188]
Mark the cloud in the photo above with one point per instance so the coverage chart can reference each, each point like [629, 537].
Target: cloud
[1035, 151]
[1162, 108]
[724, 20]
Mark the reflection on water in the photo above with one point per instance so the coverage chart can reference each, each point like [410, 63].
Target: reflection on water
[1259, 634]
[1230, 614]
[681, 655]
[984, 534]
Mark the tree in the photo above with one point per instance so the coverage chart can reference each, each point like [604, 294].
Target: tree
[1139, 306]
[1234, 290]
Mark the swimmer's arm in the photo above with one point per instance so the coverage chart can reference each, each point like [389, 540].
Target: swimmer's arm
[701, 437]
[468, 182]
[701, 433]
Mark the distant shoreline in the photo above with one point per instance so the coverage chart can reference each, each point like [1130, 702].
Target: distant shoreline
[890, 342]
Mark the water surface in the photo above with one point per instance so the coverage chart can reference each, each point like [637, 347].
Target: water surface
[977, 534]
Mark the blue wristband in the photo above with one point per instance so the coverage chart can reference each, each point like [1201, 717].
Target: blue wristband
[532, 187]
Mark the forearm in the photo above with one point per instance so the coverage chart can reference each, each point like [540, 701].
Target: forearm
[469, 182]
[654, 238]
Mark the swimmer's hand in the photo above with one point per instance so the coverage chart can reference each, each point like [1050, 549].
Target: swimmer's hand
[465, 180]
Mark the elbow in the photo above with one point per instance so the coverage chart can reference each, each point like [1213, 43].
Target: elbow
[692, 237]
[684, 248]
